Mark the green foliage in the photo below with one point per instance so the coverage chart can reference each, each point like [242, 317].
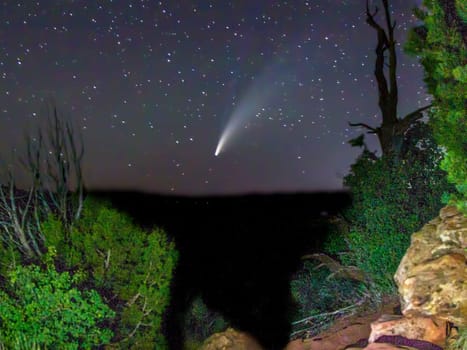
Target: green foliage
[192, 345]
[459, 342]
[315, 292]
[9, 257]
[443, 53]
[392, 198]
[43, 308]
[201, 322]
[461, 8]
[359, 141]
[378, 254]
[23, 343]
[130, 267]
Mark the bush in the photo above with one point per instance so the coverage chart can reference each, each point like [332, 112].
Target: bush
[9, 258]
[22, 343]
[201, 322]
[43, 308]
[322, 291]
[392, 198]
[131, 268]
[460, 340]
[441, 47]
[378, 254]
[315, 291]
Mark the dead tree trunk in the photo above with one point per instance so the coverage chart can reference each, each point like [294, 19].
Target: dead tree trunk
[392, 129]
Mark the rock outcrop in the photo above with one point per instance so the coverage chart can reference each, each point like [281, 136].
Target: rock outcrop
[230, 339]
[420, 328]
[432, 276]
[383, 346]
[432, 284]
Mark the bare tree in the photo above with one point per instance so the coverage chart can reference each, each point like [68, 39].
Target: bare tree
[59, 171]
[392, 129]
[53, 162]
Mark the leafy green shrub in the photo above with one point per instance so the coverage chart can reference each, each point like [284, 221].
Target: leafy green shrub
[9, 257]
[392, 198]
[43, 308]
[378, 254]
[460, 341]
[23, 343]
[201, 322]
[131, 268]
[441, 48]
[322, 294]
[315, 291]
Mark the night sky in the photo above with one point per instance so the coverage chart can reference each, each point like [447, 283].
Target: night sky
[153, 84]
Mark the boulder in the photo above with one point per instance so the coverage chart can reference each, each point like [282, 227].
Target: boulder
[397, 342]
[230, 339]
[420, 328]
[382, 346]
[336, 340]
[432, 275]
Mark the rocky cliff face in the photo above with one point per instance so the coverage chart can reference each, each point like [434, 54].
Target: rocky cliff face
[432, 283]
[432, 276]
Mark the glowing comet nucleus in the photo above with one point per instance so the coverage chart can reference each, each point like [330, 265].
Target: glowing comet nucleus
[220, 144]
[257, 96]
[232, 127]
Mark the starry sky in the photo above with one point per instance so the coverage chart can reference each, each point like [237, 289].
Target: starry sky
[152, 85]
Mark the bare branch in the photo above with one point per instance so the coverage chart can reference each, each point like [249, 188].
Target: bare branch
[391, 44]
[387, 15]
[54, 176]
[417, 112]
[366, 126]
[63, 178]
[17, 228]
[372, 15]
[107, 260]
[145, 313]
[410, 118]
[382, 45]
[338, 270]
[370, 19]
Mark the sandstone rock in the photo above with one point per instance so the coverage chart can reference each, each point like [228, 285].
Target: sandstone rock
[421, 328]
[432, 276]
[386, 346]
[409, 343]
[398, 342]
[383, 346]
[230, 339]
[339, 339]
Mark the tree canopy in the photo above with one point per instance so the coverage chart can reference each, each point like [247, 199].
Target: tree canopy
[441, 45]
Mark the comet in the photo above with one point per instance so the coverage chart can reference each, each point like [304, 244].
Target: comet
[232, 128]
[220, 144]
[258, 94]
